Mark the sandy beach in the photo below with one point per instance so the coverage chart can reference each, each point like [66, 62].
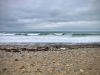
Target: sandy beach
[50, 59]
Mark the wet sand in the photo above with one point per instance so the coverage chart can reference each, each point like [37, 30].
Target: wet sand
[50, 59]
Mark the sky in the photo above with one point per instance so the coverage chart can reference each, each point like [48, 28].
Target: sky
[49, 15]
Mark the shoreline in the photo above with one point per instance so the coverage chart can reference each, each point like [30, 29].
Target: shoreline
[18, 47]
[47, 43]
[50, 59]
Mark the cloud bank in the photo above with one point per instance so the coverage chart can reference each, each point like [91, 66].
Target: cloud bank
[49, 15]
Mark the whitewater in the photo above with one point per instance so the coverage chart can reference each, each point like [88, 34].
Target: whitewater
[50, 37]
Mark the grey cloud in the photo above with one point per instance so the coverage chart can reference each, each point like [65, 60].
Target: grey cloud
[37, 13]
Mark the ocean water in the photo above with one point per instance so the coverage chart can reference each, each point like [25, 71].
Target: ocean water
[50, 37]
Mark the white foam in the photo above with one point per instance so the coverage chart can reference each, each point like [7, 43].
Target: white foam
[6, 34]
[58, 33]
[32, 34]
[51, 38]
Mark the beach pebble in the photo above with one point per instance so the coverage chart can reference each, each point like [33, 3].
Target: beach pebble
[67, 65]
[32, 65]
[62, 68]
[61, 53]
[11, 54]
[46, 73]
[89, 68]
[97, 74]
[25, 72]
[43, 66]
[22, 55]
[93, 63]
[0, 61]
[4, 69]
[64, 63]
[56, 66]
[53, 61]
[78, 60]
[30, 57]
[16, 59]
[67, 59]
[71, 64]
[27, 59]
[22, 67]
[75, 69]
[38, 69]
[81, 70]
[57, 52]
[62, 48]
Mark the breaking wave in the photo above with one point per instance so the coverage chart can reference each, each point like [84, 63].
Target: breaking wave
[50, 33]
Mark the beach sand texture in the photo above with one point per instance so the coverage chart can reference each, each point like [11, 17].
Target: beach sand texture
[52, 60]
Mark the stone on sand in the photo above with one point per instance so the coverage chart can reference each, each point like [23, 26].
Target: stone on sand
[63, 68]
[4, 69]
[81, 70]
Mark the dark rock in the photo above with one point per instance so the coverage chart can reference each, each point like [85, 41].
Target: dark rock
[16, 59]
[75, 69]
[42, 49]
[38, 69]
[4, 69]
[38, 49]
[89, 68]
[31, 49]
[23, 49]
[61, 53]
[46, 49]
[30, 57]
[32, 65]
[0, 61]
[8, 50]
[16, 51]
[62, 68]
[25, 72]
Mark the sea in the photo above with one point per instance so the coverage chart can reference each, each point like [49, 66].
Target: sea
[69, 37]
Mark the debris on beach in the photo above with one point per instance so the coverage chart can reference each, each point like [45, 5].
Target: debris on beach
[22, 67]
[51, 62]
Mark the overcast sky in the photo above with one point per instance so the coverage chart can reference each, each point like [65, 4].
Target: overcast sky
[49, 15]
